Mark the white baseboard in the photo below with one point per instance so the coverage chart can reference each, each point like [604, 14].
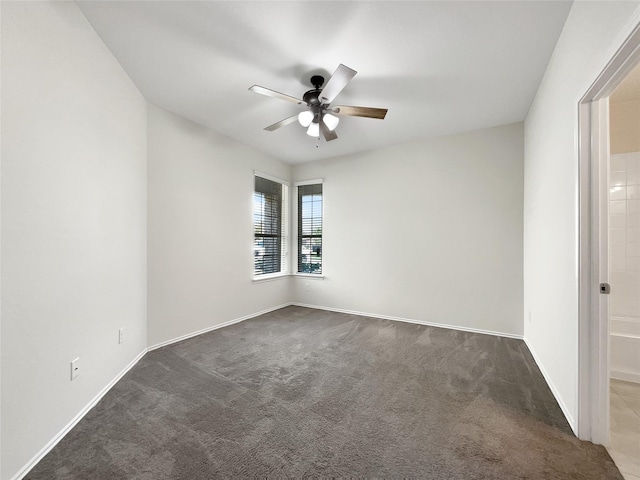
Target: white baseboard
[54, 441]
[626, 376]
[410, 320]
[553, 389]
[60, 435]
[215, 327]
[67, 428]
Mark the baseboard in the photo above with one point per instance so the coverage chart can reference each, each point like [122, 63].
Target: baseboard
[60, 435]
[553, 389]
[54, 441]
[216, 327]
[626, 376]
[410, 320]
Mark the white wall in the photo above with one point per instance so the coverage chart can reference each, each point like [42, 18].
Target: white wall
[73, 221]
[589, 39]
[0, 243]
[200, 228]
[428, 231]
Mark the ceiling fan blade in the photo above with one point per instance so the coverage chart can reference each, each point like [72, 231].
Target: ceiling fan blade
[367, 112]
[326, 133]
[281, 123]
[340, 78]
[272, 93]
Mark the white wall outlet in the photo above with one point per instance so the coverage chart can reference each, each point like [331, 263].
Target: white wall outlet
[529, 316]
[121, 335]
[306, 286]
[75, 368]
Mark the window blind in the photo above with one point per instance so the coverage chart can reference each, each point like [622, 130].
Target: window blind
[310, 228]
[267, 226]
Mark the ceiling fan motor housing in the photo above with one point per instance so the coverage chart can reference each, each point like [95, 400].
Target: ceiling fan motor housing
[312, 97]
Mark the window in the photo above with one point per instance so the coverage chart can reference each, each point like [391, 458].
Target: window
[310, 227]
[269, 226]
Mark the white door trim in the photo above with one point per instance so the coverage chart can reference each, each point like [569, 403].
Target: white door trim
[593, 328]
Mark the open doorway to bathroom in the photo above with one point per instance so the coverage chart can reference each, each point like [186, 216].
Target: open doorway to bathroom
[594, 231]
[624, 275]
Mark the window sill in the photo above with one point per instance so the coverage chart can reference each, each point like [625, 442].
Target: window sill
[309, 275]
[273, 276]
[276, 276]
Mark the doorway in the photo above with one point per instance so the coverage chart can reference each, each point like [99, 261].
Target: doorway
[595, 195]
[624, 274]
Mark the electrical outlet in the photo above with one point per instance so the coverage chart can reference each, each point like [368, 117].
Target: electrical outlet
[75, 368]
[529, 316]
[306, 286]
[121, 335]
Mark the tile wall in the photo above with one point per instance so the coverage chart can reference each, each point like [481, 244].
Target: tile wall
[624, 240]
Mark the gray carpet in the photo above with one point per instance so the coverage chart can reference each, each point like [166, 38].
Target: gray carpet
[301, 392]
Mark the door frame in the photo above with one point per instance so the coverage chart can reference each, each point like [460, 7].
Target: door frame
[593, 196]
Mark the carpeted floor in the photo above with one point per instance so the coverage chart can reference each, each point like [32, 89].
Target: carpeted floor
[300, 392]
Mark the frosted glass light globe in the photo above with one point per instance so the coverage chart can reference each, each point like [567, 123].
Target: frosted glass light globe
[331, 121]
[314, 130]
[305, 118]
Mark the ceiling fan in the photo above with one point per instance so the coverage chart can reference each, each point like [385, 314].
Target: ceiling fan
[320, 115]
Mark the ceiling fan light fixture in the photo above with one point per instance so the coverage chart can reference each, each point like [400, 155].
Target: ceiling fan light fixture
[331, 121]
[314, 130]
[320, 119]
[305, 118]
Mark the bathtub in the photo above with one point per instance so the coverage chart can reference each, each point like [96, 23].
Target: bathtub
[624, 348]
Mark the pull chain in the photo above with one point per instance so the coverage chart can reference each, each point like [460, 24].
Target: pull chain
[317, 142]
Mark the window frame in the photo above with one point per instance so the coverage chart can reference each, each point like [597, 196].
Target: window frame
[284, 227]
[298, 244]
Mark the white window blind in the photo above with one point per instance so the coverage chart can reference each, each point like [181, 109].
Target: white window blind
[310, 228]
[269, 226]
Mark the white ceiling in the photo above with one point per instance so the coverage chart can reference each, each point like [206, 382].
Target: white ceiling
[440, 67]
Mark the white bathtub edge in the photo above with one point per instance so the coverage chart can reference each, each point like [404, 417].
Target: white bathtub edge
[626, 376]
